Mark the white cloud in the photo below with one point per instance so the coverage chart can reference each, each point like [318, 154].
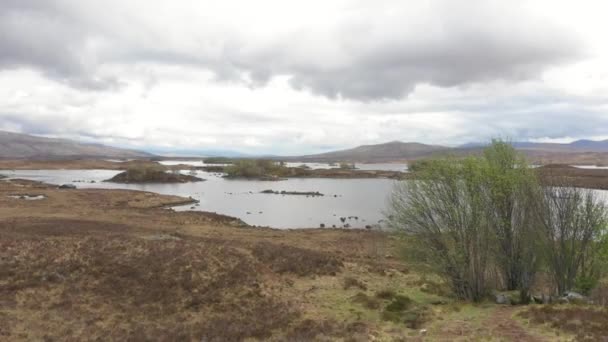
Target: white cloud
[285, 77]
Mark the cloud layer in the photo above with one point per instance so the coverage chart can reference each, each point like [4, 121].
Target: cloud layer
[249, 75]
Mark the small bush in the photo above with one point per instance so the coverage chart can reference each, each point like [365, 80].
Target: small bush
[586, 284]
[365, 300]
[385, 294]
[399, 303]
[402, 310]
[414, 319]
[353, 282]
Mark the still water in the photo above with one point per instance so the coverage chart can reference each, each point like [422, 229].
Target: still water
[364, 198]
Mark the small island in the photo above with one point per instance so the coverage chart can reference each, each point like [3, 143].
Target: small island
[300, 193]
[270, 170]
[152, 175]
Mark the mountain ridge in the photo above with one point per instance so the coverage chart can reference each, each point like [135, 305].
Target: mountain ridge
[384, 152]
[25, 146]
[579, 151]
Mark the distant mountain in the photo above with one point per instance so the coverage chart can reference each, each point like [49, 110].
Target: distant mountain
[577, 152]
[197, 153]
[591, 145]
[387, 152]
[582, 145]
[23, 146]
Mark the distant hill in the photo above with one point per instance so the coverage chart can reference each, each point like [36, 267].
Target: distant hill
[197, 153]
[583, 145]
[387, 152]
[581, 152]
[23, 146]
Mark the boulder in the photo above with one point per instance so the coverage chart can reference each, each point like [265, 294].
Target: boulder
[67, 186]
[571, 295]
[502, 299]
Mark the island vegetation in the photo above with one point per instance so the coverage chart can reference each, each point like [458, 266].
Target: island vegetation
[152, 174]
[263, 169]
[218, 160]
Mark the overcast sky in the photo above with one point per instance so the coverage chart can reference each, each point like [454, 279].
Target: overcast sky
[290, 77]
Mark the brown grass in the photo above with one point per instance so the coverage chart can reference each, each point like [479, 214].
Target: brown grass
[599, 295]
[299, 261]
[149, 289]
[354, 282]
[328, 330]
[559, 175]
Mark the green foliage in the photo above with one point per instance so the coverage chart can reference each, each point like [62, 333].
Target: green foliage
[263, 168]
[402, 310]
[465, 218]
[442, 210]
[253, 168]
[573, 224]
[347, 166]
[418, 165]
[143, 173]
[510, 193]
[399, 303]
[585, 284]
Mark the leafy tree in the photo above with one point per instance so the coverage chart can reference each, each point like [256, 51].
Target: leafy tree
[510, 190]
[574, 225]
[443, 208]
[480, 213]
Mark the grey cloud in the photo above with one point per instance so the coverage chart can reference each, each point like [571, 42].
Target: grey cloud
[45, 36]
[373, 56]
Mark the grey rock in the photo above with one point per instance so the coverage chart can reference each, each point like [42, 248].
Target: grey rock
[67, 186]
[502, 299]
[571, 295]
